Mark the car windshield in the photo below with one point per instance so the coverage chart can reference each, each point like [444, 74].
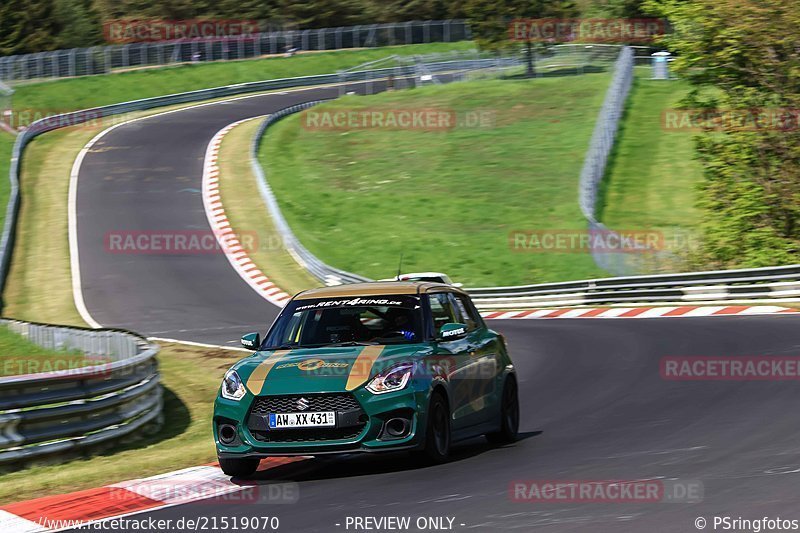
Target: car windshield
[351, 321]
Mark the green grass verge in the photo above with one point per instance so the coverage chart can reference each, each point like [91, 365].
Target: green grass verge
[248, 215]
[191, 377]
[6, 146]
[19, 356]
[91, 91]
[447, 199]
[652, 176]
[39, 285]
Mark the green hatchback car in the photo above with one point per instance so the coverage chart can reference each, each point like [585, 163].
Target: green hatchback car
[368, 367]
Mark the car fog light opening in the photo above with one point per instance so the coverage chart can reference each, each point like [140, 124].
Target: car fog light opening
[227, 433]
[398, 427]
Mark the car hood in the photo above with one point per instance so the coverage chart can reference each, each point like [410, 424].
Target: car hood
[332, 369]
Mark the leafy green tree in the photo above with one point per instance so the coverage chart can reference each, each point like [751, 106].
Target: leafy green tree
[323, 13]
[615, 9]
[743, 55]
[403, 10]
[27, 26]
[490, 21]
[77, 24]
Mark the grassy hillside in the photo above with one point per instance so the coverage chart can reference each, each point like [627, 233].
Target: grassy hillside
[6, 144]
[446, 199]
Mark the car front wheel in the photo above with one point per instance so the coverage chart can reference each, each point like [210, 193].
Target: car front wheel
[437, 434]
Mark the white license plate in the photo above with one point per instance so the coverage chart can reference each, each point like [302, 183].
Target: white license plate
[302, 420]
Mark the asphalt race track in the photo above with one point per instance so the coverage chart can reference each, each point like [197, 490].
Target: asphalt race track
[594, 406]
[146, 177]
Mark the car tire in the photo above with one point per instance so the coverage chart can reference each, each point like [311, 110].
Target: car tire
[238, 466]
[437, 432]
[509, 414]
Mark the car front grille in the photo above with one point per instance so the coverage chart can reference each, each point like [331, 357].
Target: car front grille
[338, 402]
[316, 402]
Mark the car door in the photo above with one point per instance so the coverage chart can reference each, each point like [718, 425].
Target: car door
[483, 366]
[452, 356]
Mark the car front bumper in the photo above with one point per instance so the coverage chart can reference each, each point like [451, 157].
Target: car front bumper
[366, 430]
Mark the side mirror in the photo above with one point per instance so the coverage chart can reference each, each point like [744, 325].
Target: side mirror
[251, 341]
[452, 331]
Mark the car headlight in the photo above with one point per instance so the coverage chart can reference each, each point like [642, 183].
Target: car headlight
[232, 386]
[394, 379]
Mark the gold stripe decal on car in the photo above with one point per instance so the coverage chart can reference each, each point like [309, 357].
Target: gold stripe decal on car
[256, 380]
[362, 368]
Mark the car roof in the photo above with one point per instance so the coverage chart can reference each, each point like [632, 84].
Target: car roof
[376, 288]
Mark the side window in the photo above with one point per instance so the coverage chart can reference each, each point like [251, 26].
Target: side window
[466, 311]
[441, 310]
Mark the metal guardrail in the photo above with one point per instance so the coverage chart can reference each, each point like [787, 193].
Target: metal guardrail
[778, 283]
[69, 409]
[105, 59]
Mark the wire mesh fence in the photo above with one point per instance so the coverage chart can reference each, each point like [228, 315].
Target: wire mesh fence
[638, 257]
[6, 94]
[105, 59]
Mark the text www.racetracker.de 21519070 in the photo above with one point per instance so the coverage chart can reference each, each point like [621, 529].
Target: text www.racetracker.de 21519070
[195, 523]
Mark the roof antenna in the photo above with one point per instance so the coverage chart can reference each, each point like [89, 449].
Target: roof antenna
[400, 266]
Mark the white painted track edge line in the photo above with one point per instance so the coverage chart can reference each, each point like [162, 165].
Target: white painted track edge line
[199, 344]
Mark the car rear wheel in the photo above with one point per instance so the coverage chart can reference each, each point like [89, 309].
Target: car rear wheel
[509, 414]
[238, 467]
[437, 434]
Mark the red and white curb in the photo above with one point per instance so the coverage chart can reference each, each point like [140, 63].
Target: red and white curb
[68, 511]
[640, 312]
[228, 240]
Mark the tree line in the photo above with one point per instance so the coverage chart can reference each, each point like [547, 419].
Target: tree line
[28, 26]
